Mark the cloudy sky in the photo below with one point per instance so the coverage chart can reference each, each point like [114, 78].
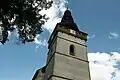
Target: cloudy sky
[99, 18]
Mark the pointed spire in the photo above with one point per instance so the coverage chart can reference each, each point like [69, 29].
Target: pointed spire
[67, 20]
[67, 17]
[67, 8]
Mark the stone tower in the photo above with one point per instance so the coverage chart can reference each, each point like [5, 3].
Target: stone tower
[67, 57]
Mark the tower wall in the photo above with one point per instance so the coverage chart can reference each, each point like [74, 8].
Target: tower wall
[70, 68]
[63, 66]
[65, 40]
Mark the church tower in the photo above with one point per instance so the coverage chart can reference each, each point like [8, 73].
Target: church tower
[67, 56]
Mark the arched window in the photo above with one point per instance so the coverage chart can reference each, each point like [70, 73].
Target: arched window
[72, 50]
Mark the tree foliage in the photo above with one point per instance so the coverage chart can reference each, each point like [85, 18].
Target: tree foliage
[23, 16]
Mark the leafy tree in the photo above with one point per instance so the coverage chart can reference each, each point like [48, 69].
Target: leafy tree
[24, 14]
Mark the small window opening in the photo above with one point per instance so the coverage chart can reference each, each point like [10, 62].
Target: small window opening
[72, 50]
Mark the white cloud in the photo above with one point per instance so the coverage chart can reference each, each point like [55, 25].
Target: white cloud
[103, 66]
[54, 13]
[40, 42]
[91, 37]
[113, 35]
[117, 75]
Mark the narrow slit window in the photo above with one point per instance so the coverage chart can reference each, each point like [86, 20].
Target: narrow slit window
[72, 50]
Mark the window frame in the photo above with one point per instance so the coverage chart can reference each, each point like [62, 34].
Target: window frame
[72, 50]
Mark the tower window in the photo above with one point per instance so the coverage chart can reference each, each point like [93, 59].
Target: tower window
[72, 50]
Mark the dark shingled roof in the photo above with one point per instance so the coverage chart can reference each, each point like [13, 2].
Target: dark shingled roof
[36, 73]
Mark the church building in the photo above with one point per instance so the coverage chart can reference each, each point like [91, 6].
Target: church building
[67, 57]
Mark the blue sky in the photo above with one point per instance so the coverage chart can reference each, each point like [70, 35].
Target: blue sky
[99, 18]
